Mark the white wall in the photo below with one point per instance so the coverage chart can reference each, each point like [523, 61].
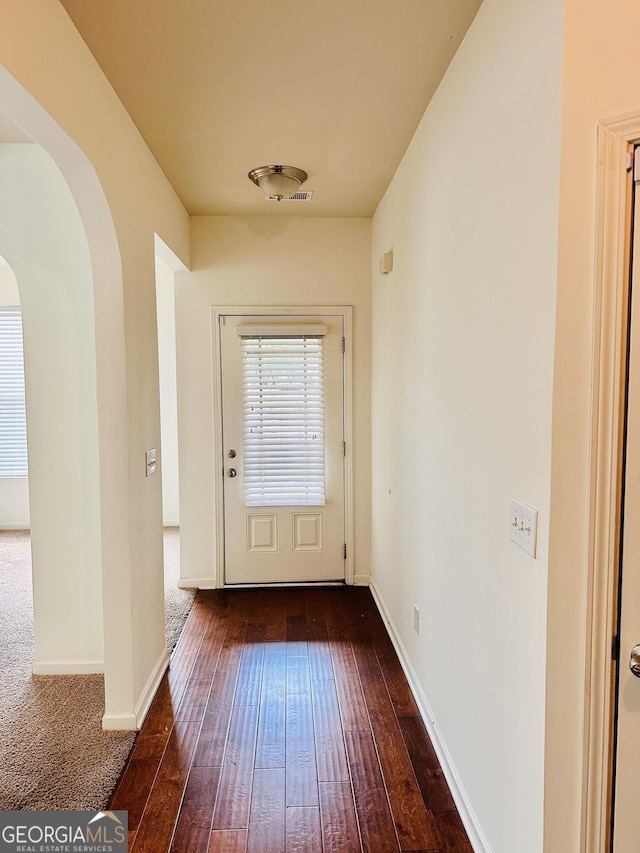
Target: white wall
[601, 82]
[42, 238]
[165, 302]
[14, 491]
[263, 261]
[463, 333]
[53, 89]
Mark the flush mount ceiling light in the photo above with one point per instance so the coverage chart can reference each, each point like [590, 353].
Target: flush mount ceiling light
[278, 182]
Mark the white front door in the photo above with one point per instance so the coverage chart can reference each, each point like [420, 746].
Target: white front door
[626, 838]
[282, 381]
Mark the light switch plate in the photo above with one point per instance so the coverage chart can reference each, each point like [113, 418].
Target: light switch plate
[523, 528]
[150, 460]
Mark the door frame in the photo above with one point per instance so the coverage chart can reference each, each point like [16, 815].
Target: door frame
[346, 312]
[614, 220]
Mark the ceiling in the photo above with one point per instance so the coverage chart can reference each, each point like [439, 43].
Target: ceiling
[218, 87]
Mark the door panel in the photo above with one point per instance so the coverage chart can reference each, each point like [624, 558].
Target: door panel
[282, 426]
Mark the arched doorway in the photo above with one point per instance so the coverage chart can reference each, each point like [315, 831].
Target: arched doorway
[42, 238]
[69, 274]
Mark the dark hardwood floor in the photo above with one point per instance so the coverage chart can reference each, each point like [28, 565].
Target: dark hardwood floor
[285, 723]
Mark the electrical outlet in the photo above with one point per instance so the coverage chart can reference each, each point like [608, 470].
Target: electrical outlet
[416, 620]
[523, 529]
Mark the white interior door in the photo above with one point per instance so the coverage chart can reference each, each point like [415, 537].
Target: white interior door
[282, 381]
[626, 835]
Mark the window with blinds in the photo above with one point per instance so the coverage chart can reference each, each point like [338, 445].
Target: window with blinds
[13, 422]
[283, 420]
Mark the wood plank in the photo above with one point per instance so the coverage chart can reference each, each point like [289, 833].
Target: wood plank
[234, 796]
[353, 608]
[228, 841]
[202, 787]
[226, 676]
[320, 664]
[275, 615]
[155, 732]
[160, 815]
[331, 757]
[193, 831]
[209, 652]
[303, 833]
[199, 617]
[353, 709]
[377, 827]
[338, 817]
[407, 805]
[194, 700]
[237, 602]
[194, 821]
[296, 633]
[301, 772]
[452, 837]
[250, 674]
[270, 747]
[212, 738]
[217, 717]
[267, 818]
[294, 600]
[133, 789]
[188, 646]
[397, 685]
[433, 786]
[339, 624]
[298, 677]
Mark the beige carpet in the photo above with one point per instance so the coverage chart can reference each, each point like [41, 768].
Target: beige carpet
[53, 752]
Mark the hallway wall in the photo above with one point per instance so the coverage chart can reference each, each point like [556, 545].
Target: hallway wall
[601, 82]
[52, 88]
[165, 303]
[463, 332]
[264, 261]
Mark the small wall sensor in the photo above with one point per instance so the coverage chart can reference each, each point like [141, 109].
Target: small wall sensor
[150, 461]
[386, 263]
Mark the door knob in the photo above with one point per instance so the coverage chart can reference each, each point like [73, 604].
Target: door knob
[231, 472]
[634, 663]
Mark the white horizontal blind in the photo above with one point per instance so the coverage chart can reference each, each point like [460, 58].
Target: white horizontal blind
[13, 423]
[283, 415]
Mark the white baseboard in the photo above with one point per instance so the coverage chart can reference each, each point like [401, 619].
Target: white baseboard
[24, 526]
[144, 702]
[477, 837]
[67, 667]
[119, 723]
[134, 721]
[197, 583]
[361, 580]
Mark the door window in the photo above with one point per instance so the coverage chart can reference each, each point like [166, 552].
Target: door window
[283, 421]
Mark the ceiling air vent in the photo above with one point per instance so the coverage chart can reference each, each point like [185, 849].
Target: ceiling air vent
[301, 196]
